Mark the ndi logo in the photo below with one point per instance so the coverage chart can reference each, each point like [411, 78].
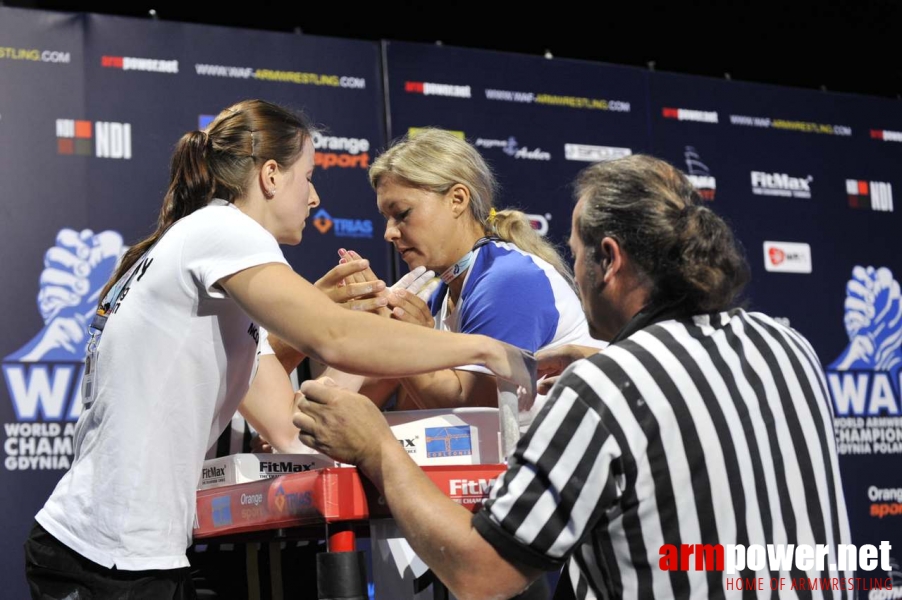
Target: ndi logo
[103, 139]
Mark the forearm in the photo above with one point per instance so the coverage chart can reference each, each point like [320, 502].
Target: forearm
[452, 388]
[305, 318]
[269, 406]
[440, 531]
[287, 356]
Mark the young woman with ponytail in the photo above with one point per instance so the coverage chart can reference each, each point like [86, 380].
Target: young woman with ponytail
[174, 349]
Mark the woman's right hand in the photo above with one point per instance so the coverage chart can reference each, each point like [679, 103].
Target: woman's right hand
[353, 285]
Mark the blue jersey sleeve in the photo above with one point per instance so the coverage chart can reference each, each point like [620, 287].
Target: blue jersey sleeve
[509, 297]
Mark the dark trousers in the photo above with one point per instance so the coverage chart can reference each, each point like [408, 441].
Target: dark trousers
[55, 572]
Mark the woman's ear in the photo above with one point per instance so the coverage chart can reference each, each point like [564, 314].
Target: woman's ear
[270, 177]
[459, 196]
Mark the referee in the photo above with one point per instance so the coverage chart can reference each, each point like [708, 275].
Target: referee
[701, 423]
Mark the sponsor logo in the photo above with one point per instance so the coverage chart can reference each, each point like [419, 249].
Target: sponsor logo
[886, 135]
[864, 380]
[684, 114]
[781, 184]
[512, 149]
[448, 441]
[103, 139]
[469, 491]
[539, 222]
[873, 195]
[787, 257]
[437, 89]
[131, 63]
[786, 124]
[214, 473]
[471, 487]
[43, 377]
[585, 153]
[298, 77]
[557, 100]
[885, 501]
[272, 468]
[699, 175]
[409, 444]
[292, 503]
[35, 54]
[251, 499]
[347, 228]
[222, 511]
[342, 152]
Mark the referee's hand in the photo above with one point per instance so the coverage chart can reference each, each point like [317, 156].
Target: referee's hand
[342, 424]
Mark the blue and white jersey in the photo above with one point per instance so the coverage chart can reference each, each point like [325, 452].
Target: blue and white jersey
[518, 298]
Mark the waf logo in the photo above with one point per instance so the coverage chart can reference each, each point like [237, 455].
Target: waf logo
[348, 228]
[864, 379]
[103, 139]
[870, 195]
[787, 257]
[448, 441]
[342, 152]
[437, 89]
[43, 377]
[685, 114]
[699, 175]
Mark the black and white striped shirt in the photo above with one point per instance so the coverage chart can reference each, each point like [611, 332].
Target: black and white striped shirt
[716, 429]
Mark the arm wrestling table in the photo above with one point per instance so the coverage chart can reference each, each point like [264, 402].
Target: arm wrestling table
[334, 504]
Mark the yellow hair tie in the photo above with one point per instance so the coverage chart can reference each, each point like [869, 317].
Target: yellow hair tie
[492, 215]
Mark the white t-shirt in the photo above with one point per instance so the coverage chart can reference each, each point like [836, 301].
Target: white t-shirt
[174, 362]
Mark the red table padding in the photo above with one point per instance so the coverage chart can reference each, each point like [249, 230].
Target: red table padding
[323, 496]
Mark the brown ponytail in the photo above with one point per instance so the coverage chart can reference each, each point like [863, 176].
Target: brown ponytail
[219, 162]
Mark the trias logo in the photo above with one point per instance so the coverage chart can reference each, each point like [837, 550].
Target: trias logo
[437, 89]
[886, 135]
[781, 184]
[586, 153]
[342, 152]
[699, 175]
[684, 114]
[103, 139]
[787, 257]
[349, 228]
[870, 195]
[130, 63]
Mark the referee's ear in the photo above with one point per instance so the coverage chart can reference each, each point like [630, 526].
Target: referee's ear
[610, 257]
